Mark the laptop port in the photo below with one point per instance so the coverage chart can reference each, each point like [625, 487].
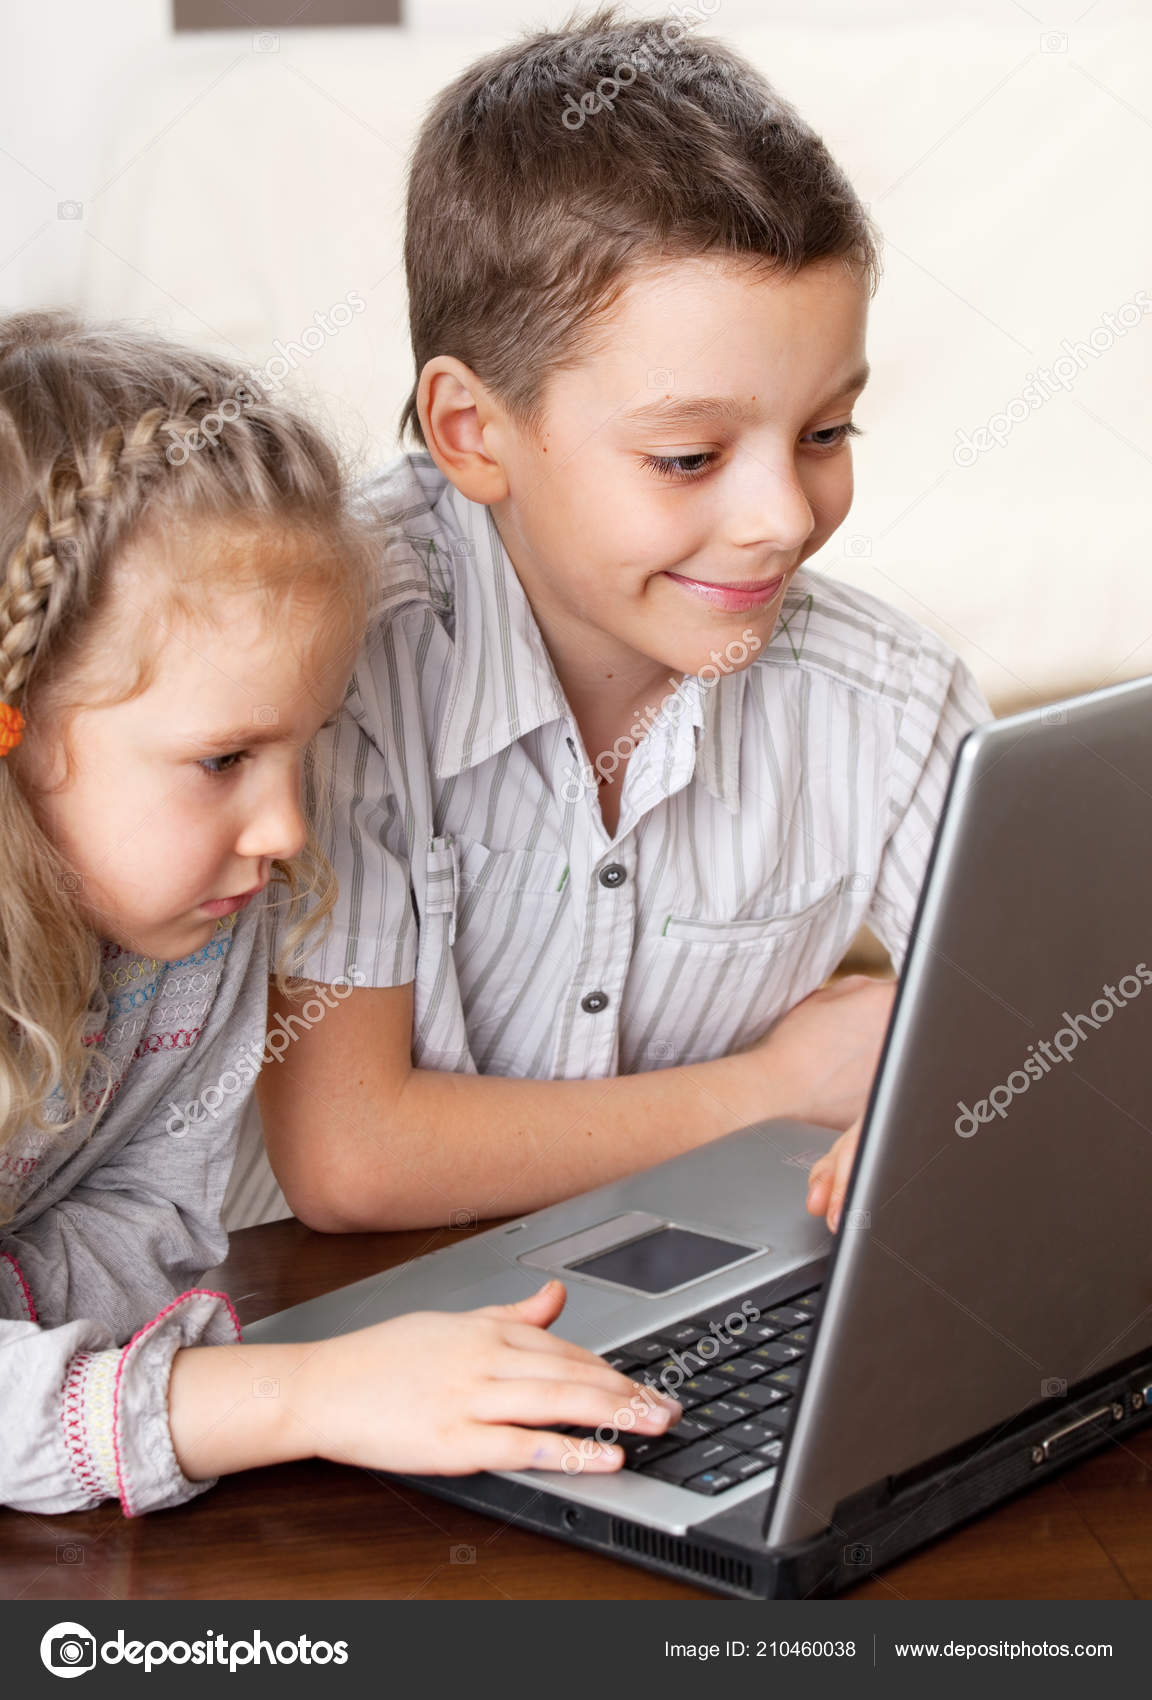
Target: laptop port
[1062, 1438]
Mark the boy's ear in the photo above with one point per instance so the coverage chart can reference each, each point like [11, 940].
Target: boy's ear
[460, 418]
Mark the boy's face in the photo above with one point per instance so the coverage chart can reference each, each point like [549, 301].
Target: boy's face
[685, 469]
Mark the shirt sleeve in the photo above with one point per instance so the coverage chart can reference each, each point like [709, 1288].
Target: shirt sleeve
[97, 1289]
[944, 703]
[85, 1420]
[363, 827]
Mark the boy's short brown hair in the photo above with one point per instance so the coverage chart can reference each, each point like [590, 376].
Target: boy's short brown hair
[548, 171]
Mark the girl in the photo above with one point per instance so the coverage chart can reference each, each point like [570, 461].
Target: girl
[183, 587]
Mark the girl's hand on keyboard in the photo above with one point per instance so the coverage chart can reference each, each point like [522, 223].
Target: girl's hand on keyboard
[448, 1394]
[828, 1176]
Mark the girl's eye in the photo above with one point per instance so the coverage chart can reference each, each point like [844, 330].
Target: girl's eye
[216, 767]
[679, 466]
[831, 436]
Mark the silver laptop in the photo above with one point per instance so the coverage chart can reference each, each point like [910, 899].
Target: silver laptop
[983, 1317]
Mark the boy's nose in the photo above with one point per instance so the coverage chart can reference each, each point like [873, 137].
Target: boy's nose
[768, 506]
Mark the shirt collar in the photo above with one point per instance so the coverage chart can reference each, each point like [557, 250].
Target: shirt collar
[503, 684]
[719, 717]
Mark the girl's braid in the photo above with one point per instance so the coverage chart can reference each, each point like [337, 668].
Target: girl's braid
[52, 568]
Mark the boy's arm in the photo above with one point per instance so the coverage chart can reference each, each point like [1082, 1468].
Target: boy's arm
[361, 1140]
[944, 704]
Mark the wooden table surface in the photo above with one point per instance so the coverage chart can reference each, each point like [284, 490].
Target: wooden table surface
[322, 1531]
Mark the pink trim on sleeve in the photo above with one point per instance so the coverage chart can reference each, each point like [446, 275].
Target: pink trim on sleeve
[192, 1293]
[24, 1287]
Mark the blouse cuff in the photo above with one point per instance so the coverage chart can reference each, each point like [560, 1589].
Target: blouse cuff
[116, 1406]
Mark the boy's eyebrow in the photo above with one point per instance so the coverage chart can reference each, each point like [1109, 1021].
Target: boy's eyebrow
[688, 410]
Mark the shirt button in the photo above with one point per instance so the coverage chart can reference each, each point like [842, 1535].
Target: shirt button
[594, 1002]
[613, 874]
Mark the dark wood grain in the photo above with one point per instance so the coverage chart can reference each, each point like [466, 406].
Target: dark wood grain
[321, 1531]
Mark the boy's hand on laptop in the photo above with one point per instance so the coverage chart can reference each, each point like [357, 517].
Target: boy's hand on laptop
[828, 1047]
[828, 1176]
[447, 1394]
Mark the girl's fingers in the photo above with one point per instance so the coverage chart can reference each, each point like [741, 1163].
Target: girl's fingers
[536, 1404]
[540, 1309]
[536, 1340]
[510, 1448]
[510, 1365]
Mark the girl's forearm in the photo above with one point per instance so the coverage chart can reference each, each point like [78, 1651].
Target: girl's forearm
[237, 1407]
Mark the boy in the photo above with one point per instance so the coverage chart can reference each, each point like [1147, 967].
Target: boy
[615, 783]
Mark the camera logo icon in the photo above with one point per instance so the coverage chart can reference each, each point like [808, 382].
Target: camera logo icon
[67, 1649]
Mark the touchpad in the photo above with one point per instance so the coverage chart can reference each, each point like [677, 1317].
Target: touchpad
[641, 1253]
[662, 1260]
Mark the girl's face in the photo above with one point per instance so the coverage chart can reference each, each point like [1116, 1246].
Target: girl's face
[183, 796]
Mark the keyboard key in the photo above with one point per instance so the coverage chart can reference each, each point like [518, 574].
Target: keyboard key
[745, 1369]
[679, 1334]
[642, 1449]
[681, 1466]
[788, 1378]
[777, 1417]
[787, 1316]
[748, 1435]
[718, 1413]
[746, 1467]
[643, 1351]
[712, 1482]
[701, 1388]
[770, 1449]
[691, 1428]
[758, 1332]
[623, 1361]
[757, 1395]
[810, 1301]
[799, 1337]
[774, 1355]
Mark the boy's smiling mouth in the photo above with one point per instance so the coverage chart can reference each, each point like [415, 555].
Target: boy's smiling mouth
[737, 597]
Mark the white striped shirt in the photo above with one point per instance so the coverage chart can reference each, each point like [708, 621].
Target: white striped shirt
[760, 825]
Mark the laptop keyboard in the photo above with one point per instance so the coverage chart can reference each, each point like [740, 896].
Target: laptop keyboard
[736, 1389]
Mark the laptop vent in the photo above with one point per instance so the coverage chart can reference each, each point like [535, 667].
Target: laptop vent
[680, 1554]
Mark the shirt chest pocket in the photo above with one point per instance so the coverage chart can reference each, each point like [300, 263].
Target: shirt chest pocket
[729, 981]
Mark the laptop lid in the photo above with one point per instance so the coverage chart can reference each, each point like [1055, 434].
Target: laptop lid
[993, 1250]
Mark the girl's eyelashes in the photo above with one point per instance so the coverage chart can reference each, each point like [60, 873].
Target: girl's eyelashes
[219, 767]
[684, 468]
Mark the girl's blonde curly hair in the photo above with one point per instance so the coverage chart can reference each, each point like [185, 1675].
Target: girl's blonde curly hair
[112, 437]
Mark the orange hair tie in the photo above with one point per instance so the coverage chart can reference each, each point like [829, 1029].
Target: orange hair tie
[11, 728]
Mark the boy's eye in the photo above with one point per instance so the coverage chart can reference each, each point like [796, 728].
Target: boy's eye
[831, 436]
[217, 766]
[679, 466]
